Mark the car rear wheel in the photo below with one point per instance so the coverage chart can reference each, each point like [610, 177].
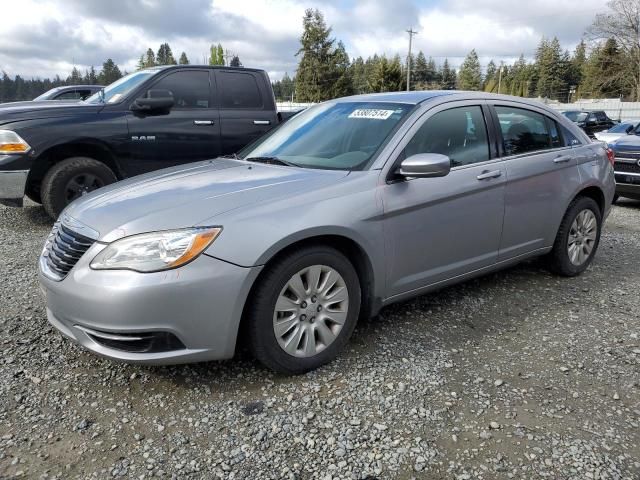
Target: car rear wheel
[71, 179]
[577, 239]
[303, 310]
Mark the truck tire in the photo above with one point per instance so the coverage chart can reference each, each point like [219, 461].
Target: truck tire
[70, 179]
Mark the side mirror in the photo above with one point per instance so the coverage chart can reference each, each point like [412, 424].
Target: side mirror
[629, 129]
[155, 100]
[424, 165]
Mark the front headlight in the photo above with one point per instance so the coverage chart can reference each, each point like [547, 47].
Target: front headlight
[11, 142]
[152, 252]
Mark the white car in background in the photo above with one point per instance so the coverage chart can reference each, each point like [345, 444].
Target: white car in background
[626, 127]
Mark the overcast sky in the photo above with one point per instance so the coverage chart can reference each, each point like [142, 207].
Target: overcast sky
[47, 37]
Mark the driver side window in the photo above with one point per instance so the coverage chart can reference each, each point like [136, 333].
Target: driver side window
[460, 133]
[190, 88]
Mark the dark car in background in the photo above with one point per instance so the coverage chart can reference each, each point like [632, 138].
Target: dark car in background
[70, 92]
[627, 166]
[151, 119]
[590, 121]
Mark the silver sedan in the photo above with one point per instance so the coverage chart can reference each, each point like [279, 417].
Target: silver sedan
[352, 205]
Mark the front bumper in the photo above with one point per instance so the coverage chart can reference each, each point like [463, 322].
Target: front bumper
[628, 184]
[12, 187]
[199, 304]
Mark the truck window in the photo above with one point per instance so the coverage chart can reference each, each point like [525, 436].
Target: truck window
[238, 90]
[190, 88]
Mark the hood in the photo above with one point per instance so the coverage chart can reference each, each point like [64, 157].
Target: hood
[184, 197]
[16, 111]
[626, 143]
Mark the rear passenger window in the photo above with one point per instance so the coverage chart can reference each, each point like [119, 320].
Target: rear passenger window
[238, 90]
[460, 133]
[523, 130]
[190, 88]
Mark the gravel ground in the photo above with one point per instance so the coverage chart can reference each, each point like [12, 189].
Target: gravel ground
[519, 374]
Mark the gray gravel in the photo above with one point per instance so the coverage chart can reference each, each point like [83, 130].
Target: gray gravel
[518, 375]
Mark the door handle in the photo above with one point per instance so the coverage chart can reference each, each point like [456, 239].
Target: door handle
[562, 159]
[488, 175]
[203, 122]
[261, 122]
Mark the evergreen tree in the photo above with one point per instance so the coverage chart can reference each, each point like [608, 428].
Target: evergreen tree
[448, 77]
[316, 67]
[150, 60]
[419, 72]
[183, 59]
[605, 73]
[235, 62]
[75, 78]
[387, 75]
[165, 55]
[343, 84]
[470, 74]
[552, 67]
[359, 76]
[110, 72]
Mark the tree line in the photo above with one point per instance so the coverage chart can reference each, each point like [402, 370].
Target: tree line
[605, 64]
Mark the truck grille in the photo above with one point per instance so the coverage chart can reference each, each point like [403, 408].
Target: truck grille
[627, 167]
[63, 250]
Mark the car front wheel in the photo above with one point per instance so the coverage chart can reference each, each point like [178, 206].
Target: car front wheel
[303, 310]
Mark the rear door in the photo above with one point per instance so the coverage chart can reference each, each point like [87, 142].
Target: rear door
[246, 112]
[190, 131]
[542, 176]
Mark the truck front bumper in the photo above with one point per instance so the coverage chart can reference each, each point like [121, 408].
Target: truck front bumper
[12, 187]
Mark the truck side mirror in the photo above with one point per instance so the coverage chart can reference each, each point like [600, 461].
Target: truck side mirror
[154, 101]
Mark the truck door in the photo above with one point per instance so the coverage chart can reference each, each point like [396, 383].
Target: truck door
[245, 112]
[189, 132]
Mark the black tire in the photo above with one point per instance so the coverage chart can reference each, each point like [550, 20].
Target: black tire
[259, 316]
[56, 192]
[33, 195]
[559, 261]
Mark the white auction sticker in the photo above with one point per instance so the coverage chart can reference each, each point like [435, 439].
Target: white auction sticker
[372, 113]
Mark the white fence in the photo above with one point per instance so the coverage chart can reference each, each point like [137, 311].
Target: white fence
[614, 108]
[291, 106]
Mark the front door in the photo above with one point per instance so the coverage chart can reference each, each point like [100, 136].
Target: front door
[440, 228]
[190, 131]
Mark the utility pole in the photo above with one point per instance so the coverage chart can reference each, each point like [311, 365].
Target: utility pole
[411, 34]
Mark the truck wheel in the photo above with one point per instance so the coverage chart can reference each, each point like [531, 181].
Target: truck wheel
[70, 179]
[303, 310]
[577, 239]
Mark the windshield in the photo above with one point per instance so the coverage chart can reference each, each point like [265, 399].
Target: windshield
[120, 88]
[576, 116]
[621, 127]
[47, 95]
[332, 135]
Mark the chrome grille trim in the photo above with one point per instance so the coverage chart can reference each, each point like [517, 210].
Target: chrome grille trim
[63, 249]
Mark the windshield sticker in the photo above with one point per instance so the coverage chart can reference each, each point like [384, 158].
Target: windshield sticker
[372, 113]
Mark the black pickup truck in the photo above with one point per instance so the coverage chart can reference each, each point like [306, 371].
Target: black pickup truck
[150, 119]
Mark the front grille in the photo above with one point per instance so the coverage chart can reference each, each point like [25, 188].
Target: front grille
[627, 167]
[64, 249]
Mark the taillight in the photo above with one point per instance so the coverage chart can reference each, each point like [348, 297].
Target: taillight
[611, 155]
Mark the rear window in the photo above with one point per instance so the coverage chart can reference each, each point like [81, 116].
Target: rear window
[238, 90]
[523, 130]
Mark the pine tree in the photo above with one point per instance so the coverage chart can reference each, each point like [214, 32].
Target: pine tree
[315, 70]
[183, 59]
[359, 76]
[150, 60]
[419, 73]
[448, 76]
[387, 75]
[235, 62]
[110, 72]
[165, 55]
[343, 84]
[605, 73]
[75, 78]
[551, 66]
[470, 74]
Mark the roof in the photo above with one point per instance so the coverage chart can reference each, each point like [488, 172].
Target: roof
[413, 97]
[200, 67]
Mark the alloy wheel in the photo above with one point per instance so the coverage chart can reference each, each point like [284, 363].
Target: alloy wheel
[310, 311]
[582, 237]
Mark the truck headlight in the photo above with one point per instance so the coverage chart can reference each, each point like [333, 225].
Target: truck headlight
[152, 252]
[11, 142]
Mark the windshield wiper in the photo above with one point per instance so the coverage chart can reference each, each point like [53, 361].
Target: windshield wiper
[271, 161]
